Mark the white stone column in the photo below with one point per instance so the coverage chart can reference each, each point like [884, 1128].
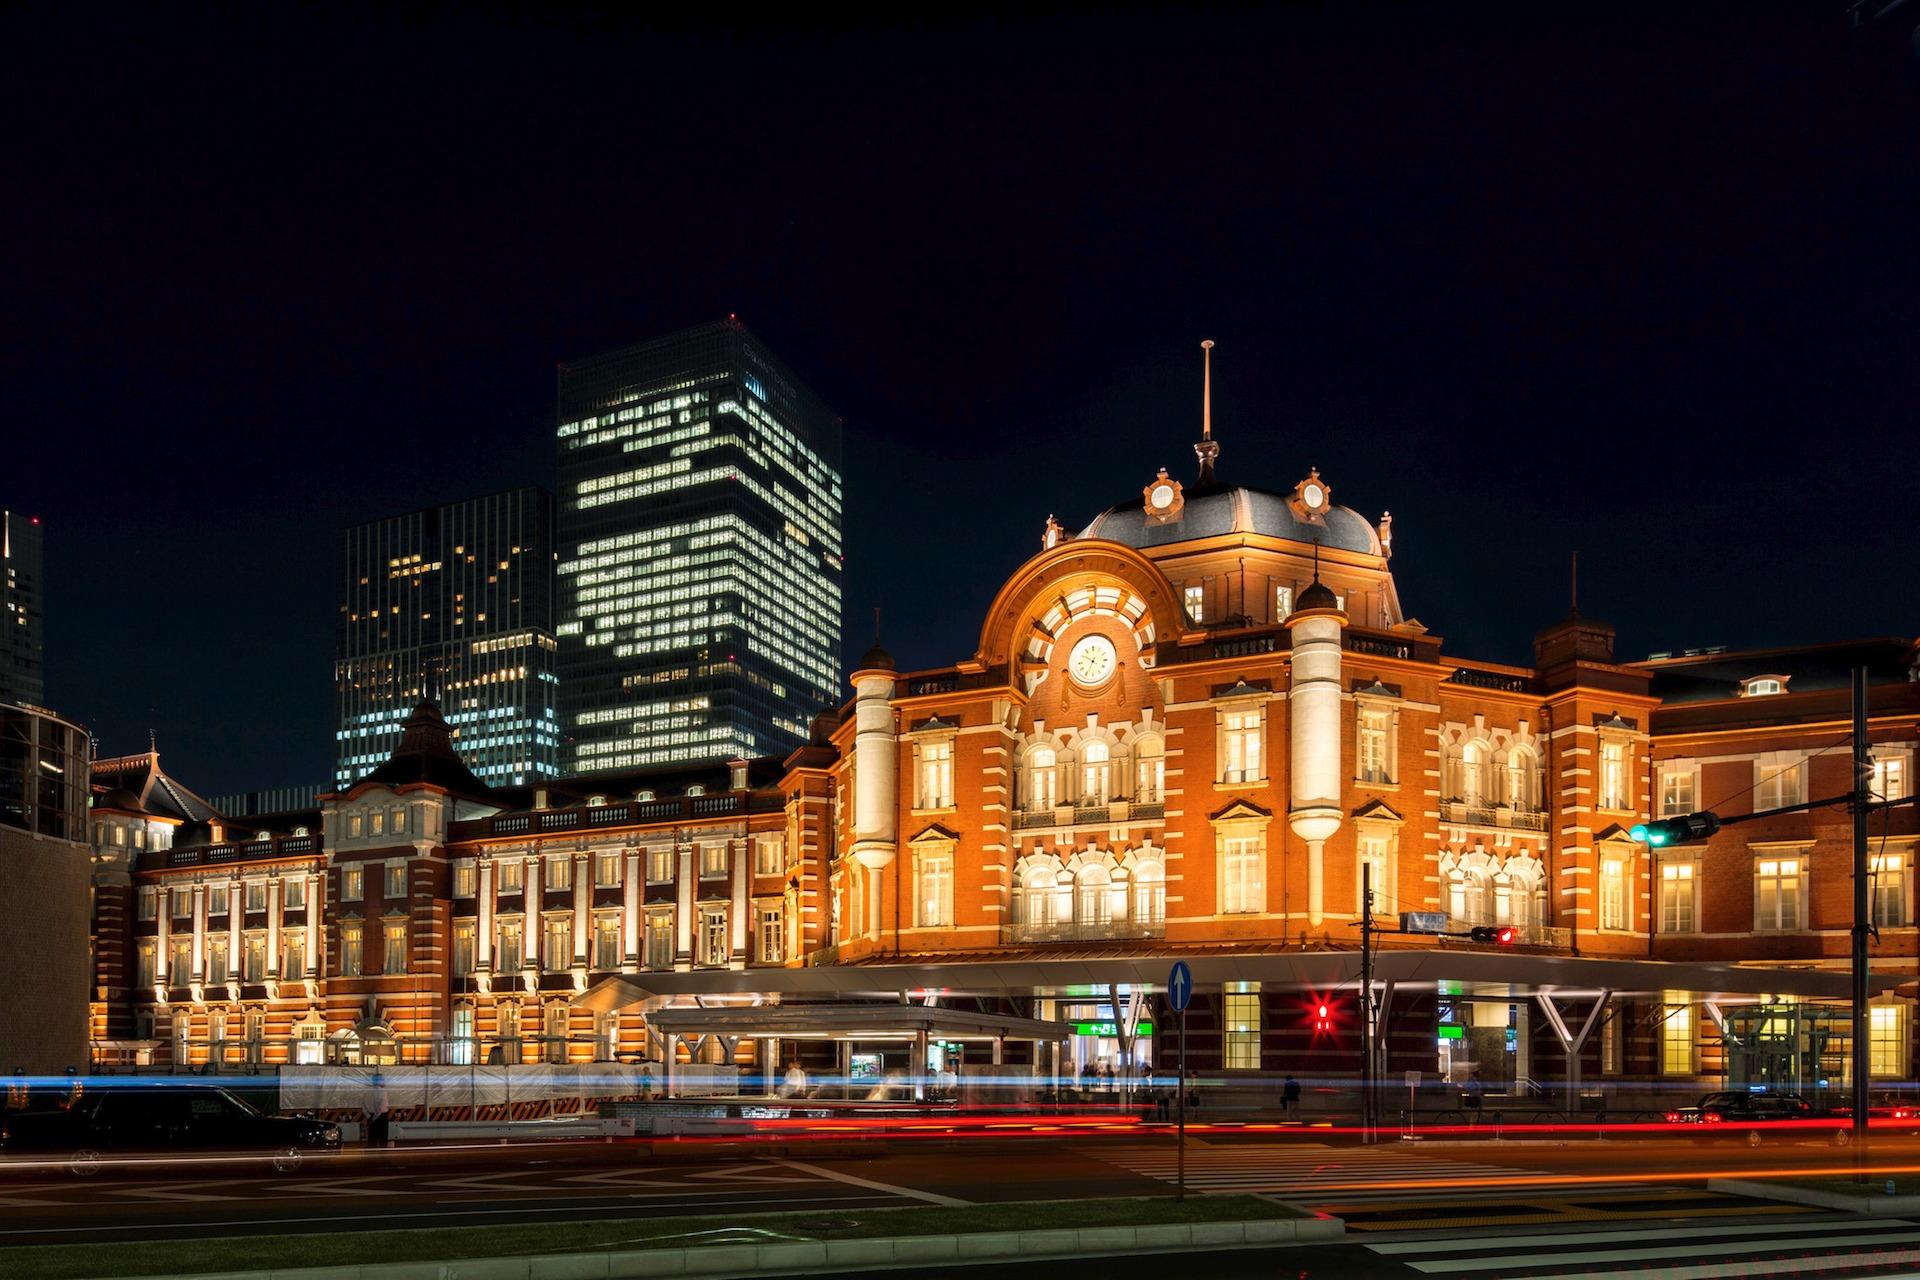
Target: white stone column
[582, 905]
[273, 929]
[236, 944]
[533, 932]
[685, 882]
[315, 887]
[630, 923]
[163, 973]
[876, 769]
[200, 933]
[483, 925]
[742, 870]
[1314, 716]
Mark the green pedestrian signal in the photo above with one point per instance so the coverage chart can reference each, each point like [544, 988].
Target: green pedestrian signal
[1686, 829]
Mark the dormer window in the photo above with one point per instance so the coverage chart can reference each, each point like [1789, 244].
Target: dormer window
[1761, 686]
[596, 801]
[643, 795]
[696, 790]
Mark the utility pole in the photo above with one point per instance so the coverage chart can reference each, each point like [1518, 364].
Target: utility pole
[1862, 919]
[1366, 1001]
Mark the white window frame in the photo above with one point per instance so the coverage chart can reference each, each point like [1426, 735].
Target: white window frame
[1613, 910]
[711, 935]
[606, 928]
[1775, 871]
[393, 958]
[1194, 599]
[556, 941]
[1779, 779]
[1374, 733]
[1614, 758]
[1891, 887]
[769, 855]
[771, 934]
[933, 772]
[933, 885]
[1679, 904]
[1243, 880]
[1679, 789]
[1243, 743]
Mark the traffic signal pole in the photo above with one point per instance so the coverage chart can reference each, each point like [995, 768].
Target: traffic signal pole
[1862, 922]
[1366, 1001]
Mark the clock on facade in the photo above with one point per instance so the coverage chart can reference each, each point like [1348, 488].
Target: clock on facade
[1092, 660]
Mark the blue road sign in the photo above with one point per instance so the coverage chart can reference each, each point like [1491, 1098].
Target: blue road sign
[1180, 986]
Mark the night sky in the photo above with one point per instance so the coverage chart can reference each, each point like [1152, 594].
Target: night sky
[1636, 283]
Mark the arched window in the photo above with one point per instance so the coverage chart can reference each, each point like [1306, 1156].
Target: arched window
[1096, 773]
[1149, 893]
[1520, 788]
[1473, 774]
[1043, 778]
[1469, 896]
[1150, 770]
[1038, 890]
[1093, 906]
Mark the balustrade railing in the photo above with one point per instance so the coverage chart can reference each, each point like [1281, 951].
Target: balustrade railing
[1490, 815]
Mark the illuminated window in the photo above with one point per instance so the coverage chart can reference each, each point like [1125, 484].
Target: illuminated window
[293, 954]
[1889, 777]
[293, 892]
[395, 887]
[356, 825]
[606, 869]
[1240, 731]
[1613, 893]
[1196, 601]
[465, 934]
[1889, 871]
[217, 900]
[183, 903]
[379, 824]
[1522, 793]
[935, 774]
[1371, 759]
[1887, 1041]
[659, 940]
[933, 895]
[1761, 686]
[1677, 898]
[713, 861]
[713, 935]
[1679, 786]
[1474, 760]
[769, 855]
[1780, 779]
[180, 961]
[1676, 1040]
[143, 965]
[606, 942]
[1043, 778]
[1240, 1016]
[659, 866]
[1778, 894]
[149, 903]
[511, 952]
[465, 880]
[1150, 770]
[217, 970]
[1614, 793]
[460, 1045]
[557, 950]
[1096, 773]
[511, 875]
[1243, 880]
[559, 872]
[393, 945]
[256, 957]
[353, 884]
[1282, 603]
[1374, 850]
[772, 935]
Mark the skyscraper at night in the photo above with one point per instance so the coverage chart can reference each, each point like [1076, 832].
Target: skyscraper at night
[453, 603]
[700, 554]
[21, 676]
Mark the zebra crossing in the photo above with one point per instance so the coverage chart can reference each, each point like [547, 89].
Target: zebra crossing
[1830, 1248]
[1317, 1176]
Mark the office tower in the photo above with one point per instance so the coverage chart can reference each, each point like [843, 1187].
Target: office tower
[453, 603]
[21, 676]
[700, 560]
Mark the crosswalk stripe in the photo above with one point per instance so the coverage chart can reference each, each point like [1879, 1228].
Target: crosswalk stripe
[1450, 1266]
[1735, 1270]
[1610, 1237]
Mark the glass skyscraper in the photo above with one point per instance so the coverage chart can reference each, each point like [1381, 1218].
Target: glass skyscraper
[22, 678]
[453, 603]
[700, 554]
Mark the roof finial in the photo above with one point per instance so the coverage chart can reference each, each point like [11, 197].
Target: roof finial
[1207, 450]
[876, 624]
[1316, 559]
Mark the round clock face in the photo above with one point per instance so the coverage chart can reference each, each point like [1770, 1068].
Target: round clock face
[1314, 496]
[1162, 496]
[1092, 660]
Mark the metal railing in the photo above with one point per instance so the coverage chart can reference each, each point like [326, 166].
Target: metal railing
[1478, 679]
[1083, 931]
[1088, 814]
[1492, 815]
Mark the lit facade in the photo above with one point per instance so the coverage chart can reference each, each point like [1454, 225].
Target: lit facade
[700, 553]
[454, 602]
[22, 625]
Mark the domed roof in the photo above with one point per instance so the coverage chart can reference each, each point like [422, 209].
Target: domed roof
[875, 659]
[1220, 509]
[1318, 595]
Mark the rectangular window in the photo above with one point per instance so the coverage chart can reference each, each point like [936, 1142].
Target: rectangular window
[183, 903]
[217, 900]
[393, 948]
[352, 951]
[293, 954]
[606, 942]
[1243, 884]
[506, 1029]
[1890, 890]
[256, 895]
[769, 855]
[713, 935]
[1676, 1040]
[606, 870]
[713, 861]
[511, 875]
[773, 935]
[1779, 781]
[1613, 893]
[1614, 792]
[217, 970]
[379, 824]
[1677, 791]
[1282, 603]
[465, 934]
[149, 903]
[936, 775]
[1241, 730]
[659, 940]
[460, 1046]
[180, 961]
[1240, 1015]
[1196, 601]
[934, 896]
[356, 825]
[1777, 894]
[353, 884]
[143, 965]
[293, 893]
[256, 958]
[559, 873]
[1889, 777]
[1677, 913]
[659, 866]
[1887, 1041]
[1371, 749]
[395, 888]
[1373, 858]
[557, 950]
[466, 880]
[511, 953]
[399, 821]
[1611, 1059]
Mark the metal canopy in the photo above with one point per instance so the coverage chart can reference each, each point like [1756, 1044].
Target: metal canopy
[1527, 973]
[862, 1021]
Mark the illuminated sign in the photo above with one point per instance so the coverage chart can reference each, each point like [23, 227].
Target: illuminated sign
[1453, 1033]
[1108, 1029]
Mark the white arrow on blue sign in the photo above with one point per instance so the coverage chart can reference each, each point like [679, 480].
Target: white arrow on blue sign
[1180, 986]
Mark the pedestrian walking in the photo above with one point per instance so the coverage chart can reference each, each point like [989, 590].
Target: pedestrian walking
[1472, 1095]
[1290, 1098]
[377, 1111]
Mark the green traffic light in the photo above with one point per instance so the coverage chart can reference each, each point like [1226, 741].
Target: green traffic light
[1648, 834]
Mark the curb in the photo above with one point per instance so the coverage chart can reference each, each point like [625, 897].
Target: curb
[829, 1256]
[1871, 1206]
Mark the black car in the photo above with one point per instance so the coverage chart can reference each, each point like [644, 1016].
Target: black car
[124, 1121]
[1749, 1117]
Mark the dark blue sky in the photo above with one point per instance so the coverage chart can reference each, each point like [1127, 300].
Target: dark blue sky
[1639, 283]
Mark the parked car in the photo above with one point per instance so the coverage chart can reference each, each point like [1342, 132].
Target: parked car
[1752, 1116]
[125, 1121]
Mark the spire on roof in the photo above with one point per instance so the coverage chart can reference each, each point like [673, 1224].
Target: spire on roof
[1208, 448]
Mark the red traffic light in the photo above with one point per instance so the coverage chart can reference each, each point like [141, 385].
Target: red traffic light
[1499, 935]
